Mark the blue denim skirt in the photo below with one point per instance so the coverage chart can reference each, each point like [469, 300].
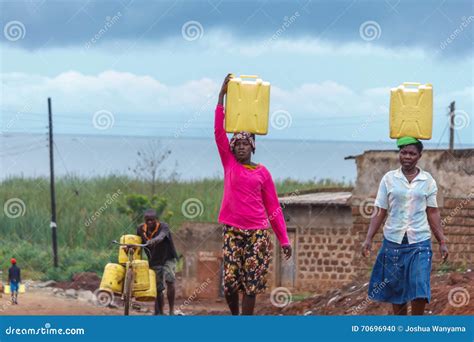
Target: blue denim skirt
[401, 272]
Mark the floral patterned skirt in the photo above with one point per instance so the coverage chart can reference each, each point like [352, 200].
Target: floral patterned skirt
[247, 255]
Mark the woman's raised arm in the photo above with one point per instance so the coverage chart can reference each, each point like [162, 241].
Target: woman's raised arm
[219, 132]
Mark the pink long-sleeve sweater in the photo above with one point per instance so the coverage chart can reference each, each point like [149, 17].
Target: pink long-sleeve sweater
[250, 199]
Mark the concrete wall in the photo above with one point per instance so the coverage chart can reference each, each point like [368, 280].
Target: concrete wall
[201, 246]
[453, 172]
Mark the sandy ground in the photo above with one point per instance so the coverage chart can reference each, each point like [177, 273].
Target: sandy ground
[36, 302]
[44, 302]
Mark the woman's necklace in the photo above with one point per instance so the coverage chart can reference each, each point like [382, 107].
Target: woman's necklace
[411, 174]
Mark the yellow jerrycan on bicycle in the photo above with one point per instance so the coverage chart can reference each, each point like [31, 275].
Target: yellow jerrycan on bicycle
[133, 239]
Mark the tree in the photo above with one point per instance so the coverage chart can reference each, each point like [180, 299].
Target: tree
[149, 165]
[136, 204]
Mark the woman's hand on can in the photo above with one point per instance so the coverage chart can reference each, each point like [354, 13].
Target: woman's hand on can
[225, 85]
[287, 252]
[223, 91]
[366, 248]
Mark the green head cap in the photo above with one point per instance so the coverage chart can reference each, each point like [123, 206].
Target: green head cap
[403, 141]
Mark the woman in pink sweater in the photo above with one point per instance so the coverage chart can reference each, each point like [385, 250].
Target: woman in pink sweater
[249, 204]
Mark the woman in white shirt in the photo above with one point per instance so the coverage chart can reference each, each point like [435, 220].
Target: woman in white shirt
[407, 198]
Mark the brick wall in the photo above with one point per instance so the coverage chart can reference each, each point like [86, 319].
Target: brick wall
[323, 246]
[458, 220]
[324, 257]
[361, 211]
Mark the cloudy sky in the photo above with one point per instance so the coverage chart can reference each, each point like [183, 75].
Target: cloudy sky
[154, 68]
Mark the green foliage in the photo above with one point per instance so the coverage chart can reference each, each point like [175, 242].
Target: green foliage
[448, 267]
[136, 204]
[301, 296]
[37, 262]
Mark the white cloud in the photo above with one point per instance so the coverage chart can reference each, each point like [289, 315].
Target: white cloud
[462, 96]
[329, 98]
[124, 92]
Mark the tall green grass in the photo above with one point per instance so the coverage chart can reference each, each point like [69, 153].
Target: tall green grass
[85, 244]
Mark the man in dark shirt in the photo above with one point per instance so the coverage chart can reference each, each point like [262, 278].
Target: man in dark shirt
[162, 257]
[14, 278]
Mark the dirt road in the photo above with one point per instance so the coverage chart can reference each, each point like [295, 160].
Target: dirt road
[44, 302]
[36, 302]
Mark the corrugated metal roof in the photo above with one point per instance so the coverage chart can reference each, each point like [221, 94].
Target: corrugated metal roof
[338, 198]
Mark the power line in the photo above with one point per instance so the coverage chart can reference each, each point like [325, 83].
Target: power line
[22, 152]
[76, 191]
[442, 135]
[152, 117]
[459, 137]
[33, 143]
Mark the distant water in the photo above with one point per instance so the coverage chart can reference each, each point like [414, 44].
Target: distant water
[194, 158]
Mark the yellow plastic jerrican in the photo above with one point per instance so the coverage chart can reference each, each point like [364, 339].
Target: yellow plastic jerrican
[247, 105]
[113, 278]
[148, 295]
[141, 281]
[21, 289]
[131, 239]
[411, 111]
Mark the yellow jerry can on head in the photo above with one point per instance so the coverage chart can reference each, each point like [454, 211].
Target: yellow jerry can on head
[411, 111]
[148, 295]
[247, 105]
[131, 239]
[113, 277]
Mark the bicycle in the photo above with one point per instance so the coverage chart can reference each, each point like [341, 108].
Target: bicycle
[129, 274]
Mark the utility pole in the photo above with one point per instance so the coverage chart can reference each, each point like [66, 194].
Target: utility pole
[52, 190]
[451, 125]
